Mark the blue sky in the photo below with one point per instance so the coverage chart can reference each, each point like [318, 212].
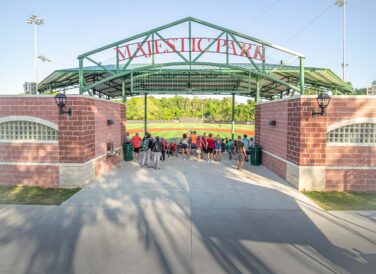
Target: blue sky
[73, 27]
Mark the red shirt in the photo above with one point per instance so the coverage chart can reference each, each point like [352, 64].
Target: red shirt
[136, 141]
[211, 143]
[203, 141]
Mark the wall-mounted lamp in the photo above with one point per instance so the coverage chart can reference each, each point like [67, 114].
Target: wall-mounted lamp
[110, 122]
[61, 100]
[323, 102]
[272, 123]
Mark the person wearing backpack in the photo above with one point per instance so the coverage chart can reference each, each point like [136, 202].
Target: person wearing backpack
[147, 142]
[157, 148]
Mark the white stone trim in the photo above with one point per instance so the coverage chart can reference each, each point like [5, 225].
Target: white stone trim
[275, 156]
[26, 118]
[53, 96]
[351, 122]
[279, 100]
[350, 145]
[47, 142]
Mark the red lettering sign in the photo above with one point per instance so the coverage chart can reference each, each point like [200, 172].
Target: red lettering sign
[181, 44]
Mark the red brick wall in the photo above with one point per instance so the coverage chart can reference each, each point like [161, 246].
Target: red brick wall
[306, 140]
[272, 138]
[274, 164]
[42, 153]
[105, 164]
[104, 133]
[293, 131]
[41, 175]
[82, 136]
[312, 134]
[350, 180]
[343, 109]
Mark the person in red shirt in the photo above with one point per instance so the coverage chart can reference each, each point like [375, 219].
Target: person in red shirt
[136, 142]
[164, 142]
[210, 147]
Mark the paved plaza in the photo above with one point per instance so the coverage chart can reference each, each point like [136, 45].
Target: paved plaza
[188, 217]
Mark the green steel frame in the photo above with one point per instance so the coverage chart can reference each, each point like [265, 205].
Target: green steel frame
[124, 71]
[137, 79]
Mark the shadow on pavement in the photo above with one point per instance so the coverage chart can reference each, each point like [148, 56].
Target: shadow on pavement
[189, 217]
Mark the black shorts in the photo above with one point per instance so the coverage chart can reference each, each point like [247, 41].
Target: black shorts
[193, 146]
[210, 150]
[184, 146]
[136, 149]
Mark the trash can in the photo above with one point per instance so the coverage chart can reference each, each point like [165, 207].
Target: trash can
[127, 152]
[256, 155]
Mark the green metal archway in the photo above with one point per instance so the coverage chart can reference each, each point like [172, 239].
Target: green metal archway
[176, 59]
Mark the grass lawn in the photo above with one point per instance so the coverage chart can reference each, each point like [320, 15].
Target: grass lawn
[189, 125]
[343, 200]
[19, 195]
[180, 128]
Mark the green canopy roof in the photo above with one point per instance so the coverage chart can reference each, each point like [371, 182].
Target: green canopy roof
[197, 79]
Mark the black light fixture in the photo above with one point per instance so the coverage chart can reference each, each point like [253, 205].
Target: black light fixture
[323, 102]
[61, 100]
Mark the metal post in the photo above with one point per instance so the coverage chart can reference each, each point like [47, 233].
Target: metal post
[117, 59]
[301, 80]
[132, 83]
[227, 59]
[145, 112]
[190, 43]
[123, 90]
[257, 97]
[344, 41]
[233, 117]
[36, 56]
[81, 76]
[152, 48]
[263, 61]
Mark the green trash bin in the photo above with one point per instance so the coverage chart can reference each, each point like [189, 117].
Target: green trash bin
[256, 155]
[127, 152]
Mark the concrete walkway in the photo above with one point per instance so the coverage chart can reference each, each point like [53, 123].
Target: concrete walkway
[188, 217]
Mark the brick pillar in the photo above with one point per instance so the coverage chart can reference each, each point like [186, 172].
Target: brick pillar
[76, 132]
[293, 131]
[257, 124]
[306, 145]
[123, 121]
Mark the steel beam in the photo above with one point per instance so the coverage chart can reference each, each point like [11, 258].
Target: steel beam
[301, 78]
[81, 75]
[257, 98]
[145, 112]
[233, 117]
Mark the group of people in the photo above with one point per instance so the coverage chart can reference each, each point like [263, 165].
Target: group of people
[202, 147]
[154, 149]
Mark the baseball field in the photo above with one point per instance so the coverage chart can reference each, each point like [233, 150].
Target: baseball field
[175, 130]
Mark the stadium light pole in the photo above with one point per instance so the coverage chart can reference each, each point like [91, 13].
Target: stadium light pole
[342, 4]
[36, 21]
[43, 60]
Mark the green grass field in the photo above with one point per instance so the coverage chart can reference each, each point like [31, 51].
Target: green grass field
[175, 130]
[189, 125]
[34, 195]
[344, 200]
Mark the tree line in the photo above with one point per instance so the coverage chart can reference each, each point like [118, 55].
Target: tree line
[178, 107]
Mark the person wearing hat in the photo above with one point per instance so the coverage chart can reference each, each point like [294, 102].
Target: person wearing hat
[136, 142]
